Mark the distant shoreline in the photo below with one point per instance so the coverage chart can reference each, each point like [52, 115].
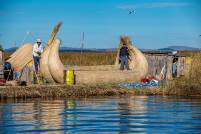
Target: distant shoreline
[70, 49]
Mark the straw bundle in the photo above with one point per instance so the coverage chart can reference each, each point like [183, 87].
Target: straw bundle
[94, 68]
[56, 68]
[44, 69]
[21, 57]
[112, 76]
[137, 60]
[53, 34]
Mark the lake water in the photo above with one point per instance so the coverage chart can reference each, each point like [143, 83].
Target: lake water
[136, 114]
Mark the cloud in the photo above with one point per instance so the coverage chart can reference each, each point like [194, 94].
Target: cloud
[152, 5]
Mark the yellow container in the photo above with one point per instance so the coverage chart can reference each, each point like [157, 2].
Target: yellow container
[70, 77]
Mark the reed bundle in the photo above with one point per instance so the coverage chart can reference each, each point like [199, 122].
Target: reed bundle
[21, 57]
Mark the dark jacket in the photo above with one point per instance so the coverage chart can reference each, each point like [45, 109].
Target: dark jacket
[124, 51]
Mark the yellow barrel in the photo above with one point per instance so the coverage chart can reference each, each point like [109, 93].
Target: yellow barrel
[70, 77]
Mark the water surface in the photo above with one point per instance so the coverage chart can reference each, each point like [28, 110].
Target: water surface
[136, 114]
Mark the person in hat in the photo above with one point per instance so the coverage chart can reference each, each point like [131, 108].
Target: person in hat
[37, 51]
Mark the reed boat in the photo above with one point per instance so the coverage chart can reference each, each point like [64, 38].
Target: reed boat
[54, 71]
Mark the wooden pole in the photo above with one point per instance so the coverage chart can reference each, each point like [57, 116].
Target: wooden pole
[82, 43]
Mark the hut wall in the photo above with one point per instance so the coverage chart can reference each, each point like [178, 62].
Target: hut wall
[27, 75]
[1, 64]
[169, 67]
[157, 62]
[181, 67]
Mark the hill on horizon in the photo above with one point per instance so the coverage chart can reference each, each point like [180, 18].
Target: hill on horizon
[71, 49]
[178, 48]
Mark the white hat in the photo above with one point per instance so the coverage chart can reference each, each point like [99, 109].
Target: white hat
[39, 40]
[174, 52]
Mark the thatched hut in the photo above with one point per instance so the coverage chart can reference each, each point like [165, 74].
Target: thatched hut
[159, 59]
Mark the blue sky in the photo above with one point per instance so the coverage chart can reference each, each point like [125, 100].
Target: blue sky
[155, 23]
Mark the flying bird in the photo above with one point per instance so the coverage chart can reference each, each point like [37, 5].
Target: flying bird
[131, 11]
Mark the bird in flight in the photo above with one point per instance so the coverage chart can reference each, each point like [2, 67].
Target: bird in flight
[131, 11]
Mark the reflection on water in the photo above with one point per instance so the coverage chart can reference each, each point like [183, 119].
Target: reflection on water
[143, 114]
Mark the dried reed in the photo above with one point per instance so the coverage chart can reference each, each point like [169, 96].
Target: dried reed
[190, 84]
[54, 91]
[88, 58]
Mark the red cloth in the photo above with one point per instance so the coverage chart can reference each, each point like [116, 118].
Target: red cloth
[2, 82]
[144, 80]
[148, 79]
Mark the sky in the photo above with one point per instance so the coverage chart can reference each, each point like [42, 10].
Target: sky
[154, 24]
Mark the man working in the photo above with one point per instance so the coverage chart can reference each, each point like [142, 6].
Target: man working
[124, 54]
[37, 51]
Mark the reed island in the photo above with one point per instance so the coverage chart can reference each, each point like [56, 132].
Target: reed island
[75, 74]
